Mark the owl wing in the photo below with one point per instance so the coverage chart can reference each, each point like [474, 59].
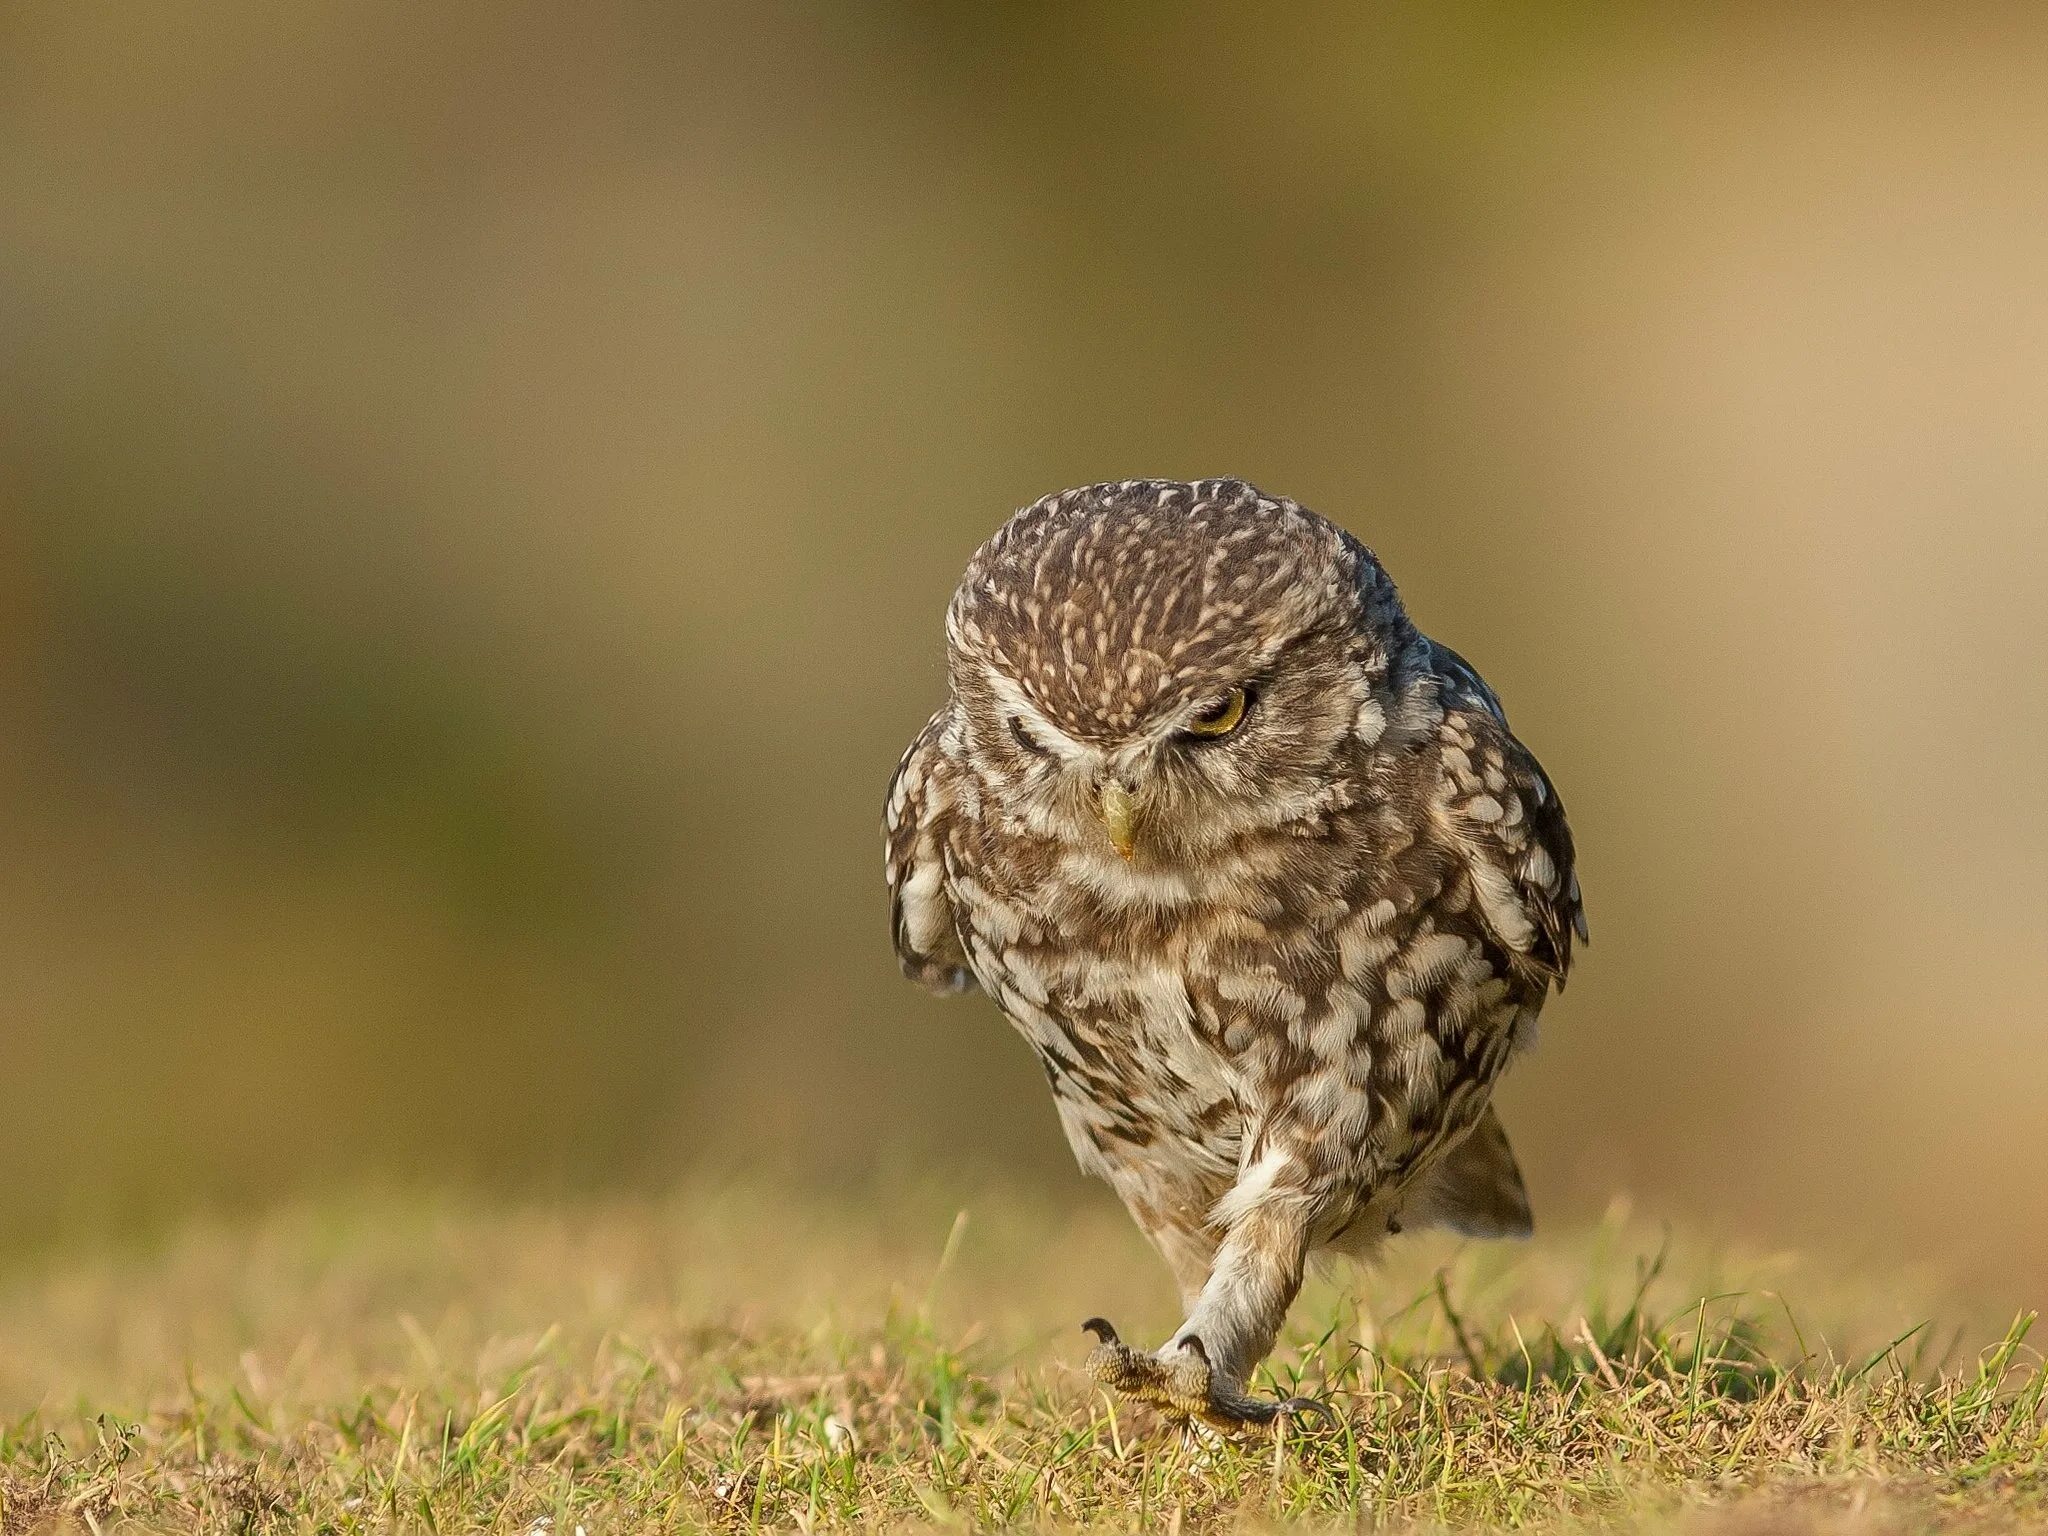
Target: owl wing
[1475, 1188]
[914, 823]
[1501, 812]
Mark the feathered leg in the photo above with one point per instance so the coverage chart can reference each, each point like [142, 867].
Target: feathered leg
[1235, 1318]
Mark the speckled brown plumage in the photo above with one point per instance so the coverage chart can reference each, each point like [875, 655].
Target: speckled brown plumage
[1273, 998]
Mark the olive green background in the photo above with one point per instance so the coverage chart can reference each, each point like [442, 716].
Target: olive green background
[479, 486]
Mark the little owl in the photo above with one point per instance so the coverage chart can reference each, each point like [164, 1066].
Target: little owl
[1258, 870]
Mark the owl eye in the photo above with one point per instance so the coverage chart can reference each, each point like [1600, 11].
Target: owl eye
[1222, 717]
[1025, 739]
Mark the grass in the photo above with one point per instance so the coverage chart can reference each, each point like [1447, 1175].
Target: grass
[753, 1360]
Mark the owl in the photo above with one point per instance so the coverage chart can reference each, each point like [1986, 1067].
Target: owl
[1260, 874]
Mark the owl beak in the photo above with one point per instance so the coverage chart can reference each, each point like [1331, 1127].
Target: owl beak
[1119, 808]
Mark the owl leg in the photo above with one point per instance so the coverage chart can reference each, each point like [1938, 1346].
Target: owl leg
[1233, 1323]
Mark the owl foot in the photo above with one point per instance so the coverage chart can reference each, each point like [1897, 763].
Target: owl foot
[1178, 1380]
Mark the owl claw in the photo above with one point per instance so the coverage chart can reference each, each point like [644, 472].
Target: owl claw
[1178, 1380]
[1311, 1407]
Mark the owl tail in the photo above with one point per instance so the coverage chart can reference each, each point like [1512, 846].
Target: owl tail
[1475, 1188]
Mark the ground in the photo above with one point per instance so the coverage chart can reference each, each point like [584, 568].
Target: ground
[753, 1359]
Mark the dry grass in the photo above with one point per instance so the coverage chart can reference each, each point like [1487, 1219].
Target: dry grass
[748, 1361]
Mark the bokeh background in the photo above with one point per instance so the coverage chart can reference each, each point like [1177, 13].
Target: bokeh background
[479, 487]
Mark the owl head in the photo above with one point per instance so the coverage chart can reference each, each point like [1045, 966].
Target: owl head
[1155, 670]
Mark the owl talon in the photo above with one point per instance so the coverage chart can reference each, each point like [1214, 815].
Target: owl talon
[1123, 1369]
[1179, 1381]
[1312, 1407]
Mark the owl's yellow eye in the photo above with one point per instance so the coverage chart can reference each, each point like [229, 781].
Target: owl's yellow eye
[1222, 717]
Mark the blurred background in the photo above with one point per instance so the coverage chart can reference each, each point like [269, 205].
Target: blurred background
[479, 488]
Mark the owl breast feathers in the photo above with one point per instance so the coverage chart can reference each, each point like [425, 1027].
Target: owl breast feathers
[1255, 867]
